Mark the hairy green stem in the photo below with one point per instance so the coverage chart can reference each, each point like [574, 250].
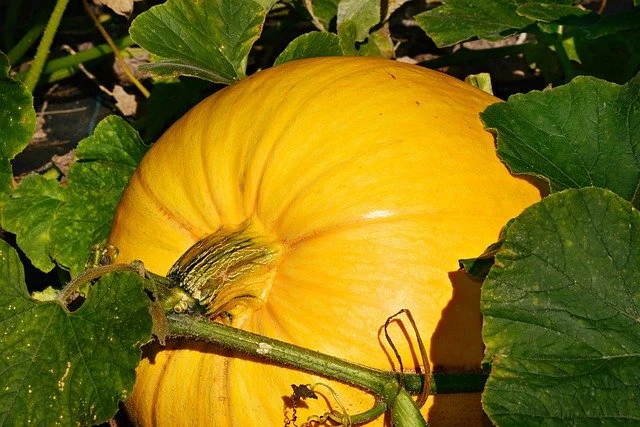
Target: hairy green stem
[441, 382]
[392, 390]
[381, 383]
[458, 382]
[45, 44]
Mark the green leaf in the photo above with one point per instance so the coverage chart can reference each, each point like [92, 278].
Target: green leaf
[207, 39]
[478, 268]
[323, 11]
[62, 224]
[613, 24]
[311, 45]
[266, 4]
[557, 13]
[459, 20]
[379, 43]
[106, 161]
[364, 14]
[598, 54]
[113, 142]
[29, 214]
[482, 81]
[581, 134]
[561, 313]
[62, 368]
[348, 34]
[85, 218]
[17, 124]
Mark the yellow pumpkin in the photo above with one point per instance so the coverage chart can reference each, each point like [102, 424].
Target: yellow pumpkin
[367, 179]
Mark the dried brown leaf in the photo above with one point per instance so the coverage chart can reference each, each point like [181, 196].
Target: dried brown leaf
[125, 102]
[121, 7]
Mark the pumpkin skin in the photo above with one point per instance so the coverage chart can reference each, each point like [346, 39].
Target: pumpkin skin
[375, 177]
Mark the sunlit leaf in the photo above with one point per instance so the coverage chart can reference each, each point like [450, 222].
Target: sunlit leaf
[206, 39]
[62, 368]
[311, 45]
[581, 134]
[561, 311]
[56, 224]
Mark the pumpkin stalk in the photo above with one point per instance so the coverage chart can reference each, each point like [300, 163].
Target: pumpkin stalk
[380, 383]
[385, 385]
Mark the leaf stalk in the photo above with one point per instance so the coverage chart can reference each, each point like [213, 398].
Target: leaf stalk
[45, 45]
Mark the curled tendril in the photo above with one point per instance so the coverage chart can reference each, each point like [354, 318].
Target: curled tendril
[424, 394]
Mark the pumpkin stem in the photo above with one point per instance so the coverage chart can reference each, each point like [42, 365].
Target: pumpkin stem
[231, 271]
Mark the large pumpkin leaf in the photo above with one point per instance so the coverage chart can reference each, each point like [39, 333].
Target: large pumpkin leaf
[207, 39]
[17, 123]
[348, 34]
[581, 134]
[62, 368]
[62, 224]
[561, 313]
[323, 11]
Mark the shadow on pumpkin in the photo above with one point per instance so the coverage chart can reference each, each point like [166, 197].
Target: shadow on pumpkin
[456, 346]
